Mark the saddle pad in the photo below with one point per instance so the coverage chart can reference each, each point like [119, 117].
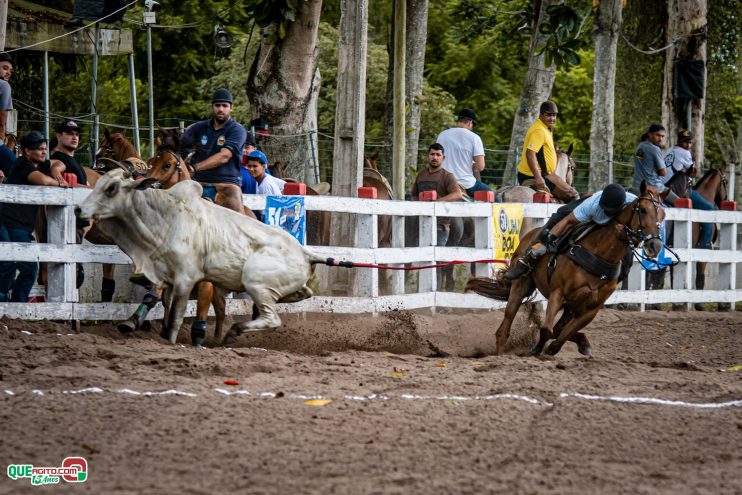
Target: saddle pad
[605, 270]
[371, 173]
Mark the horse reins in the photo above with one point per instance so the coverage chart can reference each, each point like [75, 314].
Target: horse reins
[641, 237]
[178, 167]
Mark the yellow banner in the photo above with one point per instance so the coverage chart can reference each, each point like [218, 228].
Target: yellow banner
[508, 220]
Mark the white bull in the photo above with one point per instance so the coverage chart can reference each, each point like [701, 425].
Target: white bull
[176, 240]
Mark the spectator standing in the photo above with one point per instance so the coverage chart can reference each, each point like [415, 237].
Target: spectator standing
[436, 178]
[17, 221]
[218, 143]
[464, 152]
[649, 166]
[7, 156]
[539, 158]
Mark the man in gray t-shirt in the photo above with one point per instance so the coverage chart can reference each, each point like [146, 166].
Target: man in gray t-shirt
[649, 165]
[7, 157]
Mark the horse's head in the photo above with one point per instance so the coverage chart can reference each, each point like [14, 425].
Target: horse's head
[370, 162]
[167, 167]
[643, 221]
[713, 185]
[565, 163]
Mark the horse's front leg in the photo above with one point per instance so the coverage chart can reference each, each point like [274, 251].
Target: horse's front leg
[553, 305]
[571, 329]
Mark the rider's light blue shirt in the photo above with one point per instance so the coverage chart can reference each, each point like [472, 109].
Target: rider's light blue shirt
[590, 209]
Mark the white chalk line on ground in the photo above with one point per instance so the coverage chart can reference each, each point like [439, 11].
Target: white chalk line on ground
[413, 397]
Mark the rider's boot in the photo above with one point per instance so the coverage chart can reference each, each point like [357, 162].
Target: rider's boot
[137, 319]
[525, 264]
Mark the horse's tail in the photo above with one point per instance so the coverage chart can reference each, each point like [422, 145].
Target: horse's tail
[494, 288]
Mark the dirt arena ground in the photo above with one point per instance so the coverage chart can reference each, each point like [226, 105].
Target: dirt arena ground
[418, 406]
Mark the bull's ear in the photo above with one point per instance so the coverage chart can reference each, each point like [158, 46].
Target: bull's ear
[145, 183]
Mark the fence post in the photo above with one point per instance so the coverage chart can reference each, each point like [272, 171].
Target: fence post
[427, 231]
[366, 236]
[683, 238]
[61, 277]
[398, 243]
[484, 238]
[728, 242]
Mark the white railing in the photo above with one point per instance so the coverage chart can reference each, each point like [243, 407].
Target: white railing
[61, 254]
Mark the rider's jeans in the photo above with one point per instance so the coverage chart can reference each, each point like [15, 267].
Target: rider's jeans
[705, 230]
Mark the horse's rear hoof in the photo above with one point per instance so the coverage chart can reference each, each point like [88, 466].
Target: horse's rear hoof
[127, 327]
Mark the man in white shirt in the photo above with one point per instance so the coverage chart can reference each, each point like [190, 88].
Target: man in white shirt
[464, 152]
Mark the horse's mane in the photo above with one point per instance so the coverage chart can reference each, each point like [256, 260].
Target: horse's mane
[705, 177]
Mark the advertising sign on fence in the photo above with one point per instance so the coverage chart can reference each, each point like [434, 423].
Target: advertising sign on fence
[663, 260]
[289, 213]
[508, 219]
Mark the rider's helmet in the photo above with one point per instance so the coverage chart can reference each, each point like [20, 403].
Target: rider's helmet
[222, 95]
[613, 197]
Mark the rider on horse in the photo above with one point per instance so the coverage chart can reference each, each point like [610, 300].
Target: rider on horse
[600, 208]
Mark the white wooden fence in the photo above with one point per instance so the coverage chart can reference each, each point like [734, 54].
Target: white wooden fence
[61, 254]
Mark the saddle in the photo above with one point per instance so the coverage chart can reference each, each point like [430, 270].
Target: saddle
[134, 166]
[569, 245]
[374, 174]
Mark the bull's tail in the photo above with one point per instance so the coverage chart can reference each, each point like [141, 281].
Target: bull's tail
[315, 259]
[495, 288]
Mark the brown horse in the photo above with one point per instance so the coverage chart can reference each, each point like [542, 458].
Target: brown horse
[569, 280]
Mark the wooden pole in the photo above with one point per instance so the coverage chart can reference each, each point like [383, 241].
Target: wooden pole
[398, 137]
[350, 127]
[3, 23]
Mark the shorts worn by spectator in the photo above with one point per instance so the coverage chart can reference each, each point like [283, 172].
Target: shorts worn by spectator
[17, 221]
[464, 152]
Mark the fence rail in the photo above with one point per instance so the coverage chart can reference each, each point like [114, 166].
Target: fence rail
[61, 254]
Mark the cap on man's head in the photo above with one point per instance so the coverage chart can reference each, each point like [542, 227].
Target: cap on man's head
[613, 197]
[33, 140]
[5, 57]
[250, 141]
[655, 127]
[468, 114]
[684, 136]
[222, 95]
[67, 125]
[257, 155]
[548, 107]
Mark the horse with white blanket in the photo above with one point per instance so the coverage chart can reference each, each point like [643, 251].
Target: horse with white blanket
[176, 239]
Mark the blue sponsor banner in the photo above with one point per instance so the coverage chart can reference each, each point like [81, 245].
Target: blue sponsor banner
[287, 212]
[664, 260]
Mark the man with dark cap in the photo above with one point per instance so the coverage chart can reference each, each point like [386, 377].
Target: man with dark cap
[539, 158]
[218, 143]
[17, 221]
[464, 152]
[680, 161]
[600, 208]
[7, 156]
[649, 166]
[63, 157]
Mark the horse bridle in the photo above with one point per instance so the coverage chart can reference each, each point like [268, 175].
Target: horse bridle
[180, 163]
[637, 237]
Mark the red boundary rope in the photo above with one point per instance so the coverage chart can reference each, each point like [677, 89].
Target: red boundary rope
[351, 264]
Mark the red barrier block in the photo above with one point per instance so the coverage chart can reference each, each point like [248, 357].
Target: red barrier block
[428, 196]
[484, 196]
[683, 203]
[542, 198]
[295, 189]
[367, 192]
[71, 179]
[729, 205]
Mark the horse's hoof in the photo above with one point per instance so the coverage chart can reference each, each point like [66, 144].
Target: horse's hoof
[585, 350]
[127, 327]
[230, 338]
[551, 350]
